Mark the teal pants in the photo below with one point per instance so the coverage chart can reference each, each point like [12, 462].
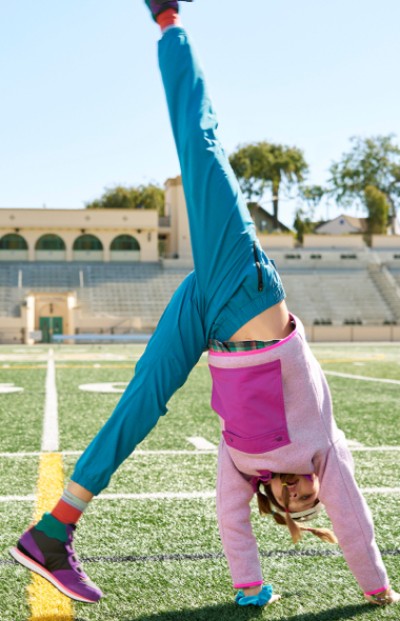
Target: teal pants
[232, 282]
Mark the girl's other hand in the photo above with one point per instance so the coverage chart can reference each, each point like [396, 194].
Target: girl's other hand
[384, 598]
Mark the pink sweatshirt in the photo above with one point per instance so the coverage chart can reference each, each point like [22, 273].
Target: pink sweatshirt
[276, 415]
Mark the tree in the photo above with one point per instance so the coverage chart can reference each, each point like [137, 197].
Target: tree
[312, 195]
[265, 166]
[373, 162]
[378, 210]
[304, 223]
[142, 197]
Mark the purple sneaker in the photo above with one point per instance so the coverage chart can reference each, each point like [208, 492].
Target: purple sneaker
[159, 6]
[57, 562]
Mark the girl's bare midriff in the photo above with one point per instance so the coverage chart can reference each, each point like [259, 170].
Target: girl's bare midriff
[273, 323]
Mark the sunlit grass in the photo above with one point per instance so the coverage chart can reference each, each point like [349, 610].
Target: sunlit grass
[161, 560]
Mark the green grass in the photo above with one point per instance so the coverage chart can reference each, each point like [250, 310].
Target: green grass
[22, 412]
[161, 560]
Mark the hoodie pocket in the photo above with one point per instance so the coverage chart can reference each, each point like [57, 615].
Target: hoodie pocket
[250, 401]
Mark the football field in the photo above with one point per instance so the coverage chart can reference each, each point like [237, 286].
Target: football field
[150, 540]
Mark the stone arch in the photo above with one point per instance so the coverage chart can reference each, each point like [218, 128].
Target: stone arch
[125, 248]
[13, 247]
[87, 247]
[13, 241]
[50, 247]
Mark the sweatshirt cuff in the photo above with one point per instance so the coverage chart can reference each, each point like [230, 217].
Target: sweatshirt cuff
[376, 591]
[247, 585]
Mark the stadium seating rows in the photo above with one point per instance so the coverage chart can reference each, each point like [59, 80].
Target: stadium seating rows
[327, 292]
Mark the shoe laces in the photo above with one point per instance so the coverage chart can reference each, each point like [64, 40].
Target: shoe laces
[72, 555]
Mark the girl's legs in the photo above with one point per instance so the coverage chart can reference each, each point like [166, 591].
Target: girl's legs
[169, 357]
[232, 288]
[225, 281]
[222, 239]
[234, 282]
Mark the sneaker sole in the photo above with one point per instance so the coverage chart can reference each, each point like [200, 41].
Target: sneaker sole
[42, 571]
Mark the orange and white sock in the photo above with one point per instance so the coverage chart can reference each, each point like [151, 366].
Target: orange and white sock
[168, 18]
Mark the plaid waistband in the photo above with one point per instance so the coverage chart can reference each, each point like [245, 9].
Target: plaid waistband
[233, 346]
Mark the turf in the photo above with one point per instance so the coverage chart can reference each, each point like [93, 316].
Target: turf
[161, 559]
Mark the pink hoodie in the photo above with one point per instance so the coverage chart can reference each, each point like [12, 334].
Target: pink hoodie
[276, 416]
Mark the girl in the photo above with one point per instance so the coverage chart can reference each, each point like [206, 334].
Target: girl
[234, 294]
[276, 417]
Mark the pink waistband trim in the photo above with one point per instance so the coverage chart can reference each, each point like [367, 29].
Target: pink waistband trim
[247, 585]
[256, 351]
[376, 591]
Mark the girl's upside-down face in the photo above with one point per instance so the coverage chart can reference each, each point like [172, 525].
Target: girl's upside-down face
[302, 491]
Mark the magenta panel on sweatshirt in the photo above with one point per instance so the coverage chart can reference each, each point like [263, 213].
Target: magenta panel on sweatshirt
[250, 401]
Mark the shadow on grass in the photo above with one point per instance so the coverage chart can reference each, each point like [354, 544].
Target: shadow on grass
[219, 612]
[232, 612]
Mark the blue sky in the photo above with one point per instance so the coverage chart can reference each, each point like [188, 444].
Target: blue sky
[82, 108]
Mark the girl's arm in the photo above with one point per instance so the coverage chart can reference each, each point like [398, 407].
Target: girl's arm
[234, 494]
[351, 518]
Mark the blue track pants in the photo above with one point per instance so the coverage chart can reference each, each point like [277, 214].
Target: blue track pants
[233, 280]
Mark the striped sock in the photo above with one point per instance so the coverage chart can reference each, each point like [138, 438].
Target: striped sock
[69, 508]
[168, 18]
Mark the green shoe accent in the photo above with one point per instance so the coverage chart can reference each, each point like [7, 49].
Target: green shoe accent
[52, 527]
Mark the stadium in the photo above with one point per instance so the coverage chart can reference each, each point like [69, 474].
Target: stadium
[108, 274]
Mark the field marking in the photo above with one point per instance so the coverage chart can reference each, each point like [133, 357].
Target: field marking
[132, 456]
[158, 496]
[199, 556]
[353, 447]
[9, 388]
[374, 358]
[380, 490]
[50, 439]
[363, 377]
[375, 449]
[45, 601]
[105, 387]
[28, 498]
[352, 444]
[206, 495]
[201, 444]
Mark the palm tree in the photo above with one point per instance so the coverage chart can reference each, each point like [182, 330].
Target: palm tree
[265, 165]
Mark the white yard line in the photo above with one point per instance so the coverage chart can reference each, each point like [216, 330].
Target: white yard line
[354, 448]
[375, 449]
[364, 378]
[201, 444]
[207, 495]
[138, 452]
[353, 444]
[28, 498]
[50, 440]
[380, 490]
[158, 496]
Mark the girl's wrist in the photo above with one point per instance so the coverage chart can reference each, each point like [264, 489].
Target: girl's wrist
[255, 590]
[382, 598]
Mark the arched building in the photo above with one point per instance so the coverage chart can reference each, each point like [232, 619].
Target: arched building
[99, 235]
[54, 264]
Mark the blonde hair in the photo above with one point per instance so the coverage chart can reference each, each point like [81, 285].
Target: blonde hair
[267, 503]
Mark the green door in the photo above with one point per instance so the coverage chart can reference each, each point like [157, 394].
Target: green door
[50, 326]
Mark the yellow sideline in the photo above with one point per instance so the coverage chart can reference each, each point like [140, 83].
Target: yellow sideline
[46, 602]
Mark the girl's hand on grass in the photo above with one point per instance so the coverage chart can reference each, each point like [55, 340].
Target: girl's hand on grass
[256, 596]
[384, 598]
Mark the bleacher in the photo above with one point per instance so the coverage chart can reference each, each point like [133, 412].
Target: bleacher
[395, 271]
[319, 289]
[335, 296]
[141, 290]
[105, 289]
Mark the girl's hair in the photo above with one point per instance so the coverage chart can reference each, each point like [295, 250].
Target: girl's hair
[267, 503]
